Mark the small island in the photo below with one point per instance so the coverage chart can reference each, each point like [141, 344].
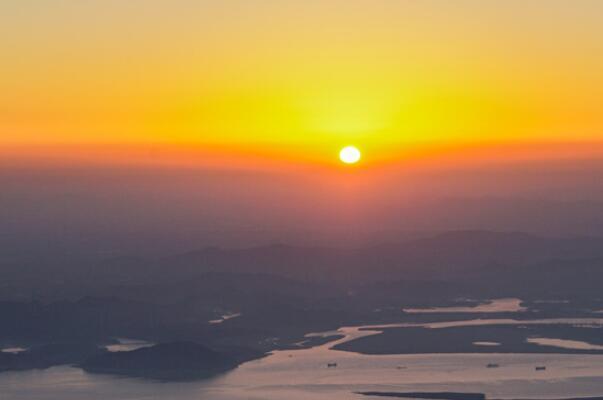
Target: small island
[170, 361]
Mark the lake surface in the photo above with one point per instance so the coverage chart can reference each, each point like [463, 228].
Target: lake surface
[351, 333]
[303, 375]
[13, 350]
[486, 343]
[490, 306]
[224, 317]
[565, 343]
[125, 344]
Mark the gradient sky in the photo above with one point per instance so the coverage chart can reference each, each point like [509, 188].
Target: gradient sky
[149, 122]
[238, 82]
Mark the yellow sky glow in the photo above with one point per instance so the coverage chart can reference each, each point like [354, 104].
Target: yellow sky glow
[296, 81]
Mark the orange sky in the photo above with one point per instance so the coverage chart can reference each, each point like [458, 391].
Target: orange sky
[276, 84]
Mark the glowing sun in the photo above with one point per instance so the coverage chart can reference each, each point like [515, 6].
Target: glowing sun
[349, 155]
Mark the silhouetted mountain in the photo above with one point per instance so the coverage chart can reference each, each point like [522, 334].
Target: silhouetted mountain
[446, 256]
[449, 256]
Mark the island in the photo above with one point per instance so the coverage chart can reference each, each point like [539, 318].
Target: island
[170, 361]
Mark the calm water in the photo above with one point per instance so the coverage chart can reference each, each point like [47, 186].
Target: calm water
[224, 317]
[125, 344]
[565, 344]
[303, 375]
[13, 350]
[491, 306]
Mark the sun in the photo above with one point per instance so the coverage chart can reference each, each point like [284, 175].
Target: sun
[349, 155]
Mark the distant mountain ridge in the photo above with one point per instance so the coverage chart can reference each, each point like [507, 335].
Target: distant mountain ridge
[451, 256]
[443, 256]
